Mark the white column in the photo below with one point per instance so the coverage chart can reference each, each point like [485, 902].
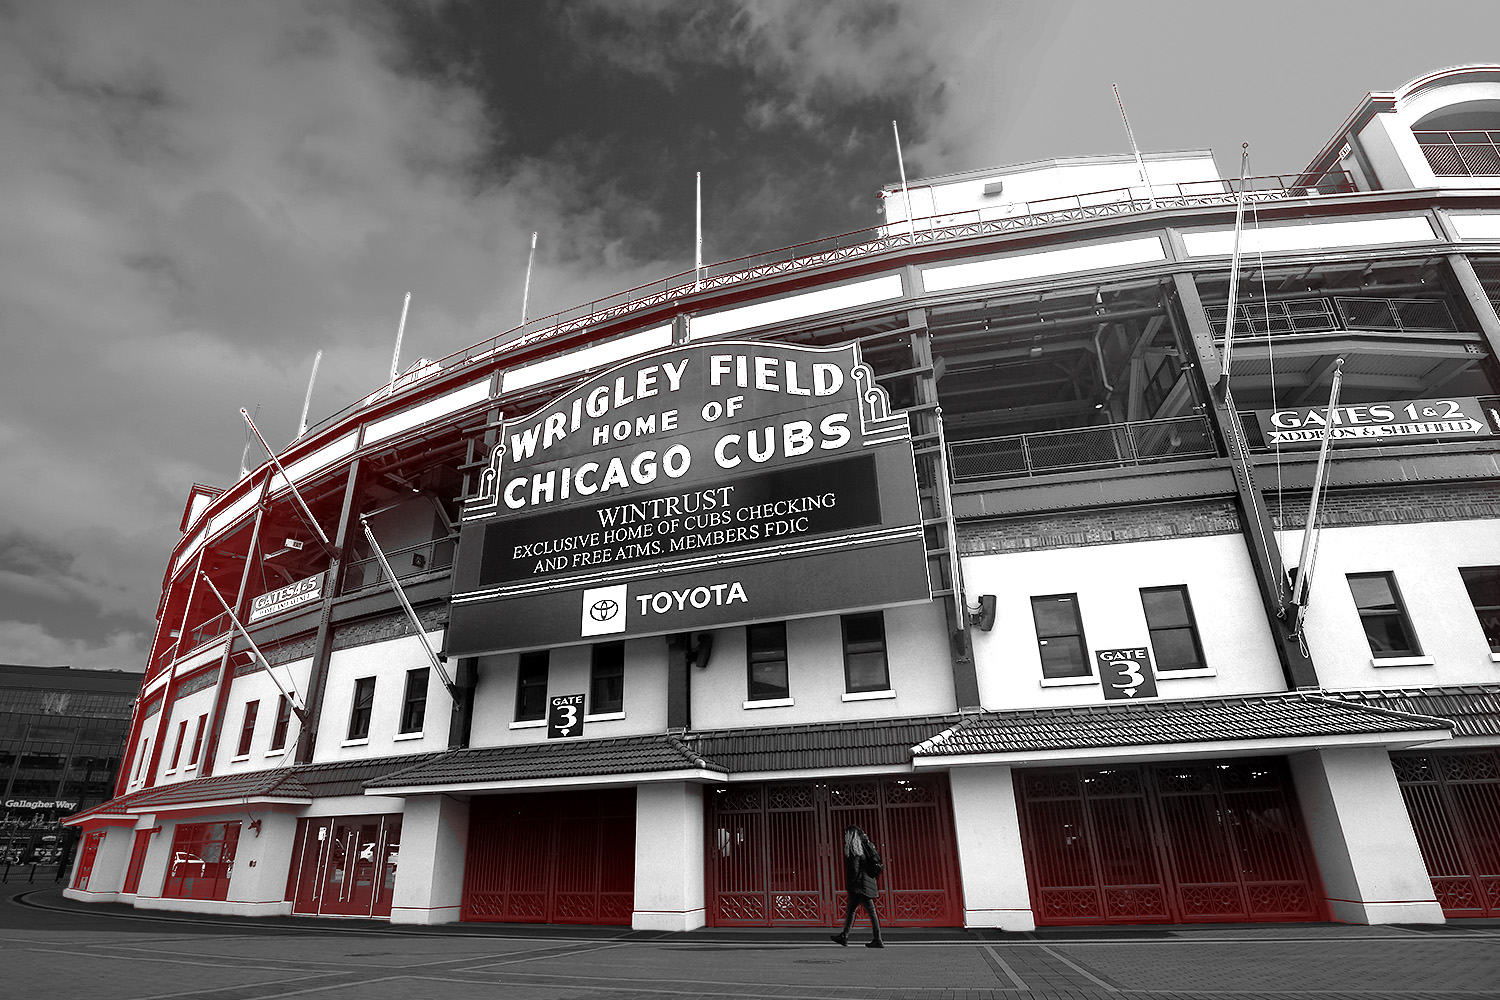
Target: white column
[107, 877]
[430, 871]
[990, 860]
[261, 862]
[1367, 852]
[668, 857]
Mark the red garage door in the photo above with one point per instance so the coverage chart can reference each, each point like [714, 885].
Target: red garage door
[1166, 844]
[556, 858]
[1453, 800]
[775, 852]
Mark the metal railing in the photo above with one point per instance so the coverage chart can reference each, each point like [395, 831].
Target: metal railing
[1123, 444]
[1018, 216]
[411, 560]
[1288, 317]
[1474, 153]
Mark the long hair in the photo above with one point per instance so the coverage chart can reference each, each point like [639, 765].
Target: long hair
[854, 842]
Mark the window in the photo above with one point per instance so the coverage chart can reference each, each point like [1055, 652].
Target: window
[359, 712]
[198, 738]
[1174, 633]
[864, 653]
[531, 686]
[1380, 612]
[177, 750]
[283, 720]
[202, 860]
[765, 649]
[414, 704]
[140, 761]
[607, 679]
[247, 731]
[1059, 636]
[1483, 584]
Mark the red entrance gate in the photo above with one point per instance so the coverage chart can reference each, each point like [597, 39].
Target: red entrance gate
[1453, 800]
[1166, 844]
[555, 858]
[775, 852]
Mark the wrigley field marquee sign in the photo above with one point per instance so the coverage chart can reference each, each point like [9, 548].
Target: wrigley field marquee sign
[697, 487]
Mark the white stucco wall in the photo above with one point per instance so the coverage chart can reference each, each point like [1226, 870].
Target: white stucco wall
[669, 861]
[188, 710]
[988, 827]
[1237, 643]
[257, 686]
[430, 870]
[568, 672]
[388, 663]
[1425, 559]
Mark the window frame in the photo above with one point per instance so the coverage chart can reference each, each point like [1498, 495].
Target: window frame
[1400, 614]
[361, 709]
[414, 702]
[539, 664]
[198, 739]
[882, 647]
[177, 750]
[1191, 627]
[283, 723]
[755, 656]
[615, 665]
[1491, 629]
[247, 728]
[1042, 640]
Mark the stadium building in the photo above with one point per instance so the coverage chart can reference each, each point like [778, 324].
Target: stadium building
[985, 529]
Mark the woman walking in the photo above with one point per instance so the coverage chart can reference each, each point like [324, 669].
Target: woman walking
[861, 865]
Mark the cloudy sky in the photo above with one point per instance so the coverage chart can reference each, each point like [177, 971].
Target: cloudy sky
[199, 195]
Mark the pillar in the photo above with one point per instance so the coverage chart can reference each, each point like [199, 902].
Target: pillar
[262, 859]
[430, 872]
[669, 858]
[990, 859]
[1372, 868]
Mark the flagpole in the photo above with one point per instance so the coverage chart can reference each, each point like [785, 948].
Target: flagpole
[400, 330]
[1234, 264]
[526, 291]
[293, 699]
[1140, 164]
[307, 400]
[911, 220]
[406, 605]
[307, 513]
[698, 282]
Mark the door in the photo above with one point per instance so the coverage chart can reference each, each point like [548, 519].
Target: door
[563, 857]
[345, 865]
[775, 851]
[1453, 800]
[1198, 842]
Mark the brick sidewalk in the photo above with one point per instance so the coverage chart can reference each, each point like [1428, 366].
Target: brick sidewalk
[52, 947]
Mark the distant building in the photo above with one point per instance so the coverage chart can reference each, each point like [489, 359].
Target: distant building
[61, 732]
[980, 529]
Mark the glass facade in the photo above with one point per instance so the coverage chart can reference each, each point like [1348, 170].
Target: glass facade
[61, 733]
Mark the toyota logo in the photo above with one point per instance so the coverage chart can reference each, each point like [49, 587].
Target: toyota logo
[603, 611]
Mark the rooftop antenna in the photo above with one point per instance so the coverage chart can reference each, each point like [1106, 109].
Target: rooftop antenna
[1234, 263]
[306, 401]
[396, 356]
[698, 280]
[1140, 164]
[911, 216]
[526, 290]
[245, 453]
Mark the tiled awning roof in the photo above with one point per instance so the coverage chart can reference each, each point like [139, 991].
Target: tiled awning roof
[295, 784]
[1473, 709]
[570, 758]
[1279, 716]
[865, 743]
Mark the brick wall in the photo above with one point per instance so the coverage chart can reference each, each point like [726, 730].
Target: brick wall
[1418, 503]
[1104, 526]
[378, 628]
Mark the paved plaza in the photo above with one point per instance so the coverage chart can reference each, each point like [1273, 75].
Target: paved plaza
[54, 948]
